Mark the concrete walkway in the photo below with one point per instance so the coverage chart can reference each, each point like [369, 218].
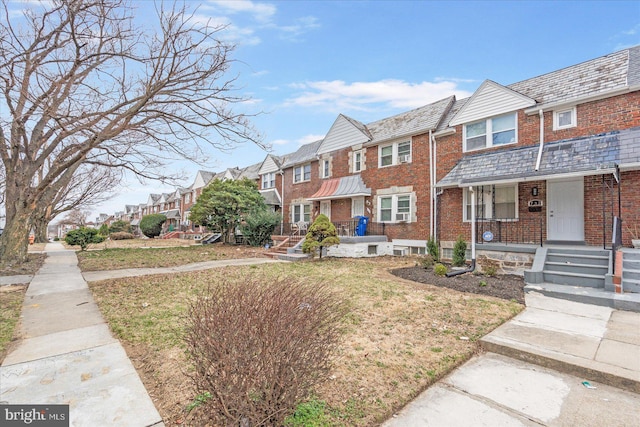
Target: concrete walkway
[534, 371]
[94, 276]
[68, 356]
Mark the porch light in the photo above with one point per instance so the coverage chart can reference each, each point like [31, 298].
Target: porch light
[534, 191]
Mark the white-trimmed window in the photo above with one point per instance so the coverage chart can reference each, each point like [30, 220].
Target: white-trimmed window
[268, 180]
[564, 119]
[492, 132]
[394, 208]
[394, 154]
[493, 202]
[302, 173]
[187, 198]
[325, 168]
[301, 212]
[358, 161]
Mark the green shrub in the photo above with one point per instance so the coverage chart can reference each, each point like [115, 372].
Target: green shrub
[432, 249]
[119, 226]
[103, 230]
[56, 239]
[459, 252]
[321, 234]
[439, 269]
[121, 235]
[259, 226]
[82, 237]
[426, 261]
[151, 225]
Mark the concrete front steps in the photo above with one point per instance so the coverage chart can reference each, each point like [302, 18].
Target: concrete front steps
[287, 248]
[580, 274]
[631, 270]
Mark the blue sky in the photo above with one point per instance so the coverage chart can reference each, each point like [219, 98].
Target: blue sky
[305, 62]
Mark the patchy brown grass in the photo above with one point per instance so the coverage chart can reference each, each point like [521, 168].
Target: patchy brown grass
[33, 264]
[152, 257]
[11, 298]
[400, 336]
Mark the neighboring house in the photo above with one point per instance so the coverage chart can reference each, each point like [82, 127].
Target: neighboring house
[544, 156]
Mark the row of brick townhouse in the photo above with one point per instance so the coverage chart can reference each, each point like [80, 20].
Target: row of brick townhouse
[548, 160]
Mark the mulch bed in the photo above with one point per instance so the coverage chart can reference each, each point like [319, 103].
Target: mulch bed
[509, 287]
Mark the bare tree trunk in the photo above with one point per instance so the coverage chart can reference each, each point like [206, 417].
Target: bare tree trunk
[14, 241]
[40, 232]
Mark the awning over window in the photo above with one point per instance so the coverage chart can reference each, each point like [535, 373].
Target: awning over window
[341, 188]
[172, 214]
[593, 155]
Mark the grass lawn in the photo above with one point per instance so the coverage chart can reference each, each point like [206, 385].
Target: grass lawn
[11, 298]
[145, 256]
[401, 336]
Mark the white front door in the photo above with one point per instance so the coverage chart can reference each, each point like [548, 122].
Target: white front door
[565, 210]
[325, 208]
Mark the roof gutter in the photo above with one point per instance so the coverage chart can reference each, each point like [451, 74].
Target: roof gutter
[581, 100]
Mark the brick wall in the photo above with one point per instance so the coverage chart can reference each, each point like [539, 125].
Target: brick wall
[616, 113]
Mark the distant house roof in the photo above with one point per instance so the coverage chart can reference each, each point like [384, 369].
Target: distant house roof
[583, 156]
[341, 188]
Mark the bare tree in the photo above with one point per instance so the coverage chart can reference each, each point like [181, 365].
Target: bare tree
[77, 217]
[90, 185]
[81, 85]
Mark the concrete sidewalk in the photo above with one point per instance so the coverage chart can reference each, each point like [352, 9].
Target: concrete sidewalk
[534, 371]
[94, 276]
[68, 356]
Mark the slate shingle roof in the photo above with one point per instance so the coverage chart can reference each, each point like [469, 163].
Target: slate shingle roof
[412, 122]
[580, 155]
[304, 154]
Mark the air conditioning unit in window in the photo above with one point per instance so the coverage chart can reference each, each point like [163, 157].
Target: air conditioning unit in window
[403, 217]
[405, 158]
[400, 251]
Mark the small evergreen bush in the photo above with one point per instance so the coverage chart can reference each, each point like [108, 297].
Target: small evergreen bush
[151, 225]
[439, 269]
[432, 249]
[259, 226]
[83, 237]
[459, 252]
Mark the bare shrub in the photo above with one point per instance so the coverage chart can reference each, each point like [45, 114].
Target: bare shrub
[259, 344]
[121, 235]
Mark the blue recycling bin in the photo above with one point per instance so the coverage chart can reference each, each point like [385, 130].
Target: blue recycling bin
[361, 228]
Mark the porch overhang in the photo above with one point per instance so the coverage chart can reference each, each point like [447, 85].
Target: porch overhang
[172, 214]
[593, 155]
[271, 197]
[341, 188]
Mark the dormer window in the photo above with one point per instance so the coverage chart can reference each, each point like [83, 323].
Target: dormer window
[489, 133]
[564, 119]
[268, 180]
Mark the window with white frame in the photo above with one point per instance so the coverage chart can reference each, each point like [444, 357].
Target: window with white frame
[563, 119]
[302, 173]
[358, 160]
[325, 168]
[393, 154]
[268, 180]
[493, 202]
[301, 212]
[394, 208]
[187, 198]
[492, 132]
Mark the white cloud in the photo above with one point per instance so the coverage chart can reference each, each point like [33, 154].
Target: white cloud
[339, 96]
[262, 12]
[280, 142]
[309, 139]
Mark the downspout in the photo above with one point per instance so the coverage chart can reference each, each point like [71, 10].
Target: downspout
[431, 186]
[282, 210]
[473, 238]
[539, 159]
[435, 192]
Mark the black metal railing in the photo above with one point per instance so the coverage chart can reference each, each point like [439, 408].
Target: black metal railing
[345, 228]
[510, 231]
